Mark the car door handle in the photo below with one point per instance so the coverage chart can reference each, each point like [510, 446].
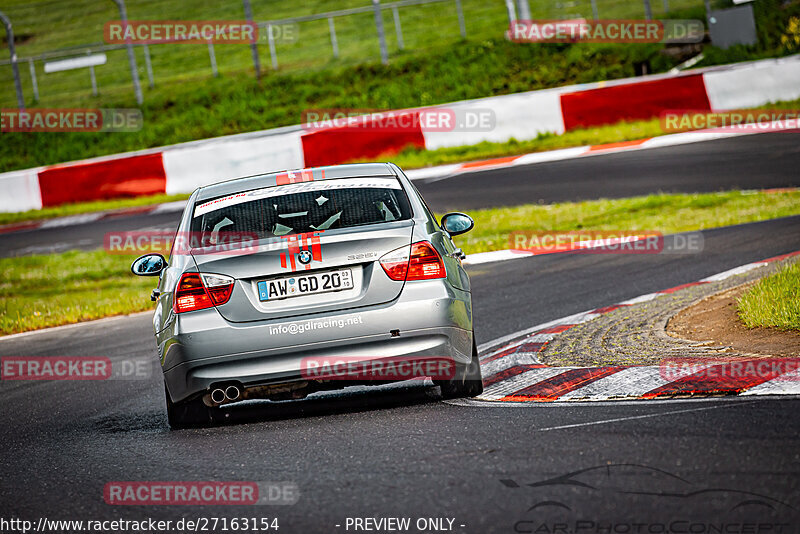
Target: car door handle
[155, 294]
[458, 254]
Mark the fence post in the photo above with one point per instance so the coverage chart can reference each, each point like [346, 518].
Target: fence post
[92, 75]
[148, 65]
[398, 28]
[595, 14]
[14, 66]
[376, 5]
[272, 53]
[213, 58]
[334, 42]
[33, 80]
[648, 11]
[248, 14]
[666, 6]
[512, 12]
[137, 88]
[524, 9]
[461, 26]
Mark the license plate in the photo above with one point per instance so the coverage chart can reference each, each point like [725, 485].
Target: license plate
[307, 284]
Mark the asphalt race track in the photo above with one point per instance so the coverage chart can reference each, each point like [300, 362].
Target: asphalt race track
[759, 161]
[401, 452]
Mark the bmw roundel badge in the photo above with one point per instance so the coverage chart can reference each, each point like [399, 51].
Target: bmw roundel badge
[304, 257]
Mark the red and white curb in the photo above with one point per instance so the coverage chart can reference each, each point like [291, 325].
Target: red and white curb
[683, 138]
[512, 371]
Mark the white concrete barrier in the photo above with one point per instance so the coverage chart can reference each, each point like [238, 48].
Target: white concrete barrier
[518, 116]
[195, 166]
[753, 84]
[19, 191]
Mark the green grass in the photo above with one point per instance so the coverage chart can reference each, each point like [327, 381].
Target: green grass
[773, 21]
[773, 301]
[47, 25]
[87, 207]
[51, 290]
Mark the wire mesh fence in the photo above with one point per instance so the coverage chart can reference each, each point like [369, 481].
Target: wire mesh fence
[293, 36]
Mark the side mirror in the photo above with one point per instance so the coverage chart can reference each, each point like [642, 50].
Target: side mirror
[149, 265]
[457, 223]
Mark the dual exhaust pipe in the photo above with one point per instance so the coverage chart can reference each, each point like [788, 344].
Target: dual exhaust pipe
[229, 394]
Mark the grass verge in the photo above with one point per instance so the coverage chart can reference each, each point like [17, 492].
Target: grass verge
[42, 291]
[666, 213]
[50, 290]
[773, 301]
[87, 207]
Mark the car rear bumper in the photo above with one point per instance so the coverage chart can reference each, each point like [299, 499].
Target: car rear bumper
[201, 349]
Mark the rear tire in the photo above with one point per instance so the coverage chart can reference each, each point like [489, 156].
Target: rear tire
[467, 381]
[187, 414]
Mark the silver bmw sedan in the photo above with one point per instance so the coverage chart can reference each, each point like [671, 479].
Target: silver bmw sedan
[284, 284]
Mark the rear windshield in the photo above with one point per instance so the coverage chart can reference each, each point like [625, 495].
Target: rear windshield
[304, 207]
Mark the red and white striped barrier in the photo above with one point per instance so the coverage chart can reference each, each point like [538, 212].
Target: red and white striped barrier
[184, 167]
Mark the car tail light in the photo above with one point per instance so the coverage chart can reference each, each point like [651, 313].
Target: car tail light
[395, 263]
[219, 287]
[197, 292]
[425, 262]
[418, 261]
